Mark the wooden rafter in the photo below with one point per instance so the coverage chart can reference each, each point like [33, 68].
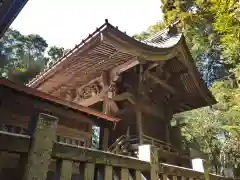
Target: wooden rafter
[161, 82]
[125, 96]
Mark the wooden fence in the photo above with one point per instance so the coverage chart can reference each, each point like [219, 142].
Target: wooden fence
[41, 148]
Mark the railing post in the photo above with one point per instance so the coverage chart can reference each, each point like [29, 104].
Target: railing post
[39, 156]
[66, 170]
[201, 165]
[150, 153]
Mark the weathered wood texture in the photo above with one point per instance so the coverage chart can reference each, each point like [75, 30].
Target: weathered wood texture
[39, 155]
[66, 170]
[74, 127]
[90, 158]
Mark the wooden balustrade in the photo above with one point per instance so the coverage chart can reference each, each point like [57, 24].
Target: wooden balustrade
[44, 148]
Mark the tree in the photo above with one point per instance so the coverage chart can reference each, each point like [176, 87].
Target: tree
[55, 52]
[216, 130]
[197, 22]
[23, 56]
[211, 29]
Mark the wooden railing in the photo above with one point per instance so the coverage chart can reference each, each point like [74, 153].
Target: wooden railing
[92, 164]
[158, 143]
[99, 163]
[123, 145]
[126, 145]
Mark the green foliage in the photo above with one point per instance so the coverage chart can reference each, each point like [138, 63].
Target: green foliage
[95, 137]
[23, 57]
[216, 130]
[211, 28]
[150, 31]
[55, 52]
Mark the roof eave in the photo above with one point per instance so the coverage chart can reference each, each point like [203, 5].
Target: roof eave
[52, 99]
[9, 13]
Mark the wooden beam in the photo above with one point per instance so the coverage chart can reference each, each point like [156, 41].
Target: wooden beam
[19, 143]
[123, 67]
[97, 157]
[161, 82]
[90, 101]
[145, 106]
[125, 96]
[179, 171]
[114, 107]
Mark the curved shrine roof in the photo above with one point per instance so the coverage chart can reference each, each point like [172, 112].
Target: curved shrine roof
[108, 47]
[107, 40]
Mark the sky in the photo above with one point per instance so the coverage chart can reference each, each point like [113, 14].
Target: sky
[65, 23]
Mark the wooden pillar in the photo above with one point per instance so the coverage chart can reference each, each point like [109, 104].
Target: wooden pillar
[39, 156]
[150, 153]
[22, 165]
[167, 130]
[201, 165]
[104, 137]
[104, 131]
[66, 168]
[138, 107]
[206, 169]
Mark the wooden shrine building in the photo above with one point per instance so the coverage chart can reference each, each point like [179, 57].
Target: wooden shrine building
[21, 105]
[142, 83]
[46, 135]
[21, 108]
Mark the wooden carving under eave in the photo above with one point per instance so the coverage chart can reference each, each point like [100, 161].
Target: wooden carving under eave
[89, 91]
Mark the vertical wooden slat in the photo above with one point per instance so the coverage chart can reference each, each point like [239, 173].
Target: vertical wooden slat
[104, 137]
[174, 178]
[21, 165]
[191, 178]
[108, 172]
[206, 170]
[89, 171]
[183, 178]
[124, 174]
[138, 175]
[39, 156]
[165, 177]
[138, 107]
[150, 153]
[66, 170]
[167, 135]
